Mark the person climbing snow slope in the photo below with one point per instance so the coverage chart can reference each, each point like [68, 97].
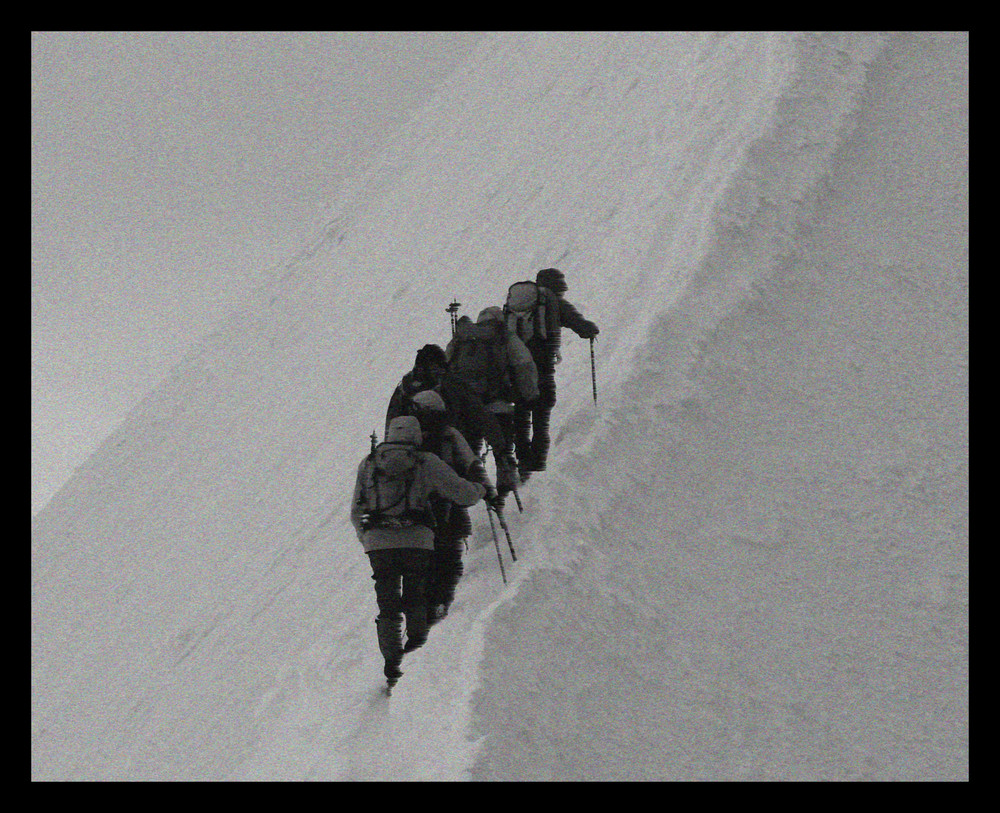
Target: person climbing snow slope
[471, 418]
[531, 418]
[452, 523]
[392, 515]
[498, 367]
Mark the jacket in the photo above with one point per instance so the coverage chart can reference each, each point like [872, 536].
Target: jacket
[467, 412]
[545, 351]
[454, 450]
[450, 445]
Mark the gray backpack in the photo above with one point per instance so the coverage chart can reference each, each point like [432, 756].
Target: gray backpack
[389, 494]
[532, 312]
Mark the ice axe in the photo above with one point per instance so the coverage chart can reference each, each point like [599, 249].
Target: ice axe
[453, 310]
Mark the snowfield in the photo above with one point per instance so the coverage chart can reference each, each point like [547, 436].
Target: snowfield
[747, 561]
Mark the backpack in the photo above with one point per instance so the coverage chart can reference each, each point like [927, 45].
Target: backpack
[531, 312]
[388, 492]
[479, 358]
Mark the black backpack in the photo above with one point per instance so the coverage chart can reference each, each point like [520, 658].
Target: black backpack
[479, 358]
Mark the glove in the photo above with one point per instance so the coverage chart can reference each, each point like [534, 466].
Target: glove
[491, 496]
[590, 331]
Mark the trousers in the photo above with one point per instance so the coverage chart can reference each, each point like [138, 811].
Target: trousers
[401, 578]
[531, 423]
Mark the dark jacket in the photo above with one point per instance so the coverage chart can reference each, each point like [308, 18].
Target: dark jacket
[468, 414]
[546, 351]
[517, 361]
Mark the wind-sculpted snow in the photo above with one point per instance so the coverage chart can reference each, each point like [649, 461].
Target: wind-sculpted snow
[748, 559]
[767, 566]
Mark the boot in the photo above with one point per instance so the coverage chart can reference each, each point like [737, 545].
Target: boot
[414, 642]
[436, 612]
[390, 644]
[416, 629]
[506, 474]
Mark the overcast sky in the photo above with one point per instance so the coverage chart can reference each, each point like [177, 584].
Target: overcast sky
[172, 171]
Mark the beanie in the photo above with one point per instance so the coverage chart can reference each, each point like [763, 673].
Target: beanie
[431, 354]
[553, 279]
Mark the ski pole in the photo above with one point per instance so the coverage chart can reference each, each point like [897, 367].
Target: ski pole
[506, 530]
[513, 487]
[496, 544]
[593, 368]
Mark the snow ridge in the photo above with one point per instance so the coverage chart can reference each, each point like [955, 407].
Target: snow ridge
[746, 558]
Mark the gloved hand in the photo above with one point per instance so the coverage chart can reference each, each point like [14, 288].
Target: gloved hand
[492, 498]
[590, 330]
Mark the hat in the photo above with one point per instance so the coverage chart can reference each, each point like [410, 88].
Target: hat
[404, 429]
[553, 279]
[429, 400]
[429, 408]
[431, 354]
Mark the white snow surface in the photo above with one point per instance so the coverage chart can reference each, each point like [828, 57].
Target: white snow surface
[747, 561]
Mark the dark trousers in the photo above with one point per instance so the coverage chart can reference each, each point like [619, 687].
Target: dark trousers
[449, 545]
[531, 423]
[506, 483]
[475, 439]
[401, 580]
[475, 435]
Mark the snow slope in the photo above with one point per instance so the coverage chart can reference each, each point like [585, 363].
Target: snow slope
[747, 560]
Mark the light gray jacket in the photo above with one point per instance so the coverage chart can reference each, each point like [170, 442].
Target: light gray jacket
[433, 477]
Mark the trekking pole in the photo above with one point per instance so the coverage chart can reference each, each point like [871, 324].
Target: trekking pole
[593, 368]
[506, 530]
[517, 499]
[374, 440]
[496, 544]
[493, 527]
[453, 310]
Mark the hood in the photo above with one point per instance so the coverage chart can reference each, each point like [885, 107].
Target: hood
[430, 354]
[404, 429]
[490, 314]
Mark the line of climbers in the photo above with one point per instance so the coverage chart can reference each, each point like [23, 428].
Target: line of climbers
[495, 382]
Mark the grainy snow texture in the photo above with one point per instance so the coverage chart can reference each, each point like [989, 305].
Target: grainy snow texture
[747, 561]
